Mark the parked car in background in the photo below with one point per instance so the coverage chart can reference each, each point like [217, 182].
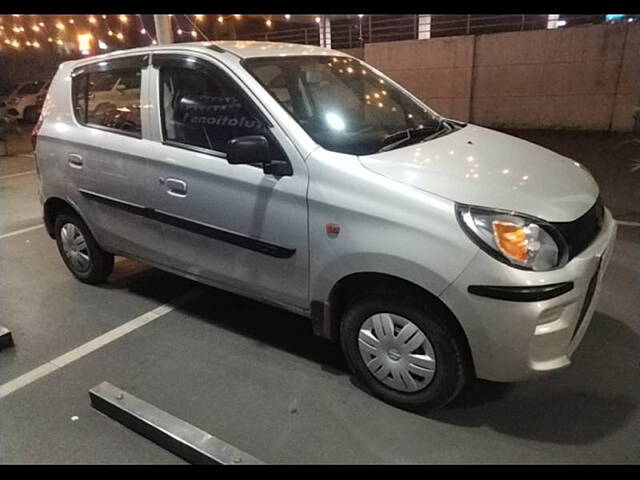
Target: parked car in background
[7, 92]
[432, 249]
[22, 104]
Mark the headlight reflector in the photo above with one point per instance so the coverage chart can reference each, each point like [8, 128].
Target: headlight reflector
[519, 240]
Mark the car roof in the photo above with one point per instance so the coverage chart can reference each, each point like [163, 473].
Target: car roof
[240, 48]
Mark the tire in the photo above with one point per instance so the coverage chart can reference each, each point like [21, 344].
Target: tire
[30, 115]
[445, 344]
[98, 264]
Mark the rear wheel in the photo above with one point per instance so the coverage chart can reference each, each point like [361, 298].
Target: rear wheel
[405, 351]
[80, 251]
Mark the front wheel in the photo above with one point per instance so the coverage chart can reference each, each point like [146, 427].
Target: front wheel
[404, 351]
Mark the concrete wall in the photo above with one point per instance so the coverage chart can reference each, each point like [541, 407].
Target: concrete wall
[576, 78]
[357, 52]
[438, 70]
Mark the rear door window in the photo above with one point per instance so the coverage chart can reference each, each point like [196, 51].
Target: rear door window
[109, 99]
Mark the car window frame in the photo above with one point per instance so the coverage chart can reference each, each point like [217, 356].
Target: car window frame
[192, 62]
[122, 64]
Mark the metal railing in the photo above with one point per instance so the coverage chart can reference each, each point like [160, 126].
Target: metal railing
[351, 31]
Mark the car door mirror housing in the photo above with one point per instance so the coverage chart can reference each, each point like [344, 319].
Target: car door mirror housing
[248, 150]
[252, 150]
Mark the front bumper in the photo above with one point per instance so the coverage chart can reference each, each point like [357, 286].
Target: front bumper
[515, 340]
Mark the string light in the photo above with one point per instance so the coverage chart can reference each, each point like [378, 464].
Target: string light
[238, 16]
[35, 28]
[92, 20]
[71, 21]
[199, 17]
[288, 17]
[104, 17]
[194, 34]
[317, 19]
[60, 26]
[144, 30]
[123, 18]
[195, 27]
[120, 36]
[179, 31]
[268, 22]
[221, 19]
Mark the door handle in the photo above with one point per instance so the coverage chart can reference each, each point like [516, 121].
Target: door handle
[75, 160]
[176, 187]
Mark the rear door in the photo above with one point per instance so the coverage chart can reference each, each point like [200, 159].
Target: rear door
[106, 157]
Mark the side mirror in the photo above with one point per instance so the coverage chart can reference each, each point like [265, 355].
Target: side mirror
[248, 150]
[254, 149]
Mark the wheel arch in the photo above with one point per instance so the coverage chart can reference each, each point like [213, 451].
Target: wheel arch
[326, 315]
[53, 207]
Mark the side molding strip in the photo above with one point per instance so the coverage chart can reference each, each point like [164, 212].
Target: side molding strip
[237, 239]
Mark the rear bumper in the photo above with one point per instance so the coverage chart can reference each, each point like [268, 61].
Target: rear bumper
[514, 340]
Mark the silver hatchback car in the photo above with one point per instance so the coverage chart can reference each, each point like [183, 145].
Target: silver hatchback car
[432, 249]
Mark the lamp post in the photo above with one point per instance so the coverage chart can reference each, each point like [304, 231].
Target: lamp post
[164, 33]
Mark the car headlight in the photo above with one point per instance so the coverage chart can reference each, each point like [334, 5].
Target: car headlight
[518, 240]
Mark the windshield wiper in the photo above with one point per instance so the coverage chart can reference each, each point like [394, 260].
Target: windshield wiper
[410, 135]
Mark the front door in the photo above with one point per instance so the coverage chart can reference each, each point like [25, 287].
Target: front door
[234, 225]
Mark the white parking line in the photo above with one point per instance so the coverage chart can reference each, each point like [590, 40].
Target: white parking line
[14, 175]
[71, 356]
[628, 224]
[18, 232]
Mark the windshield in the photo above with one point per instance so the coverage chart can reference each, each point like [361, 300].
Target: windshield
[8, 89]
[343, 105]
[31, 87]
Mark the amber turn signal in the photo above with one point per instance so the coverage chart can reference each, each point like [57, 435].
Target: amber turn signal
[511, 239]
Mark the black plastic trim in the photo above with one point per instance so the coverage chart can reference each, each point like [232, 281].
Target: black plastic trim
[521, 294]
[232, 238]
[115, 64]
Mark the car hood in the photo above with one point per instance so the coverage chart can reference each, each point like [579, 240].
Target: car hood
[483, 167]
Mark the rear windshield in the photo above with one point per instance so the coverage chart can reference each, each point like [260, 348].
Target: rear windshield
[8, 89]
[29, 88]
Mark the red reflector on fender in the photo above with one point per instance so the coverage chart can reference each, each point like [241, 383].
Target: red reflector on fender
[332, 228]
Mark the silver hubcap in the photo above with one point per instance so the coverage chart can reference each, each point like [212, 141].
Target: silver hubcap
[75, 247]
[396, 352]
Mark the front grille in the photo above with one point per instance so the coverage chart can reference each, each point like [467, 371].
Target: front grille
[581, 232]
